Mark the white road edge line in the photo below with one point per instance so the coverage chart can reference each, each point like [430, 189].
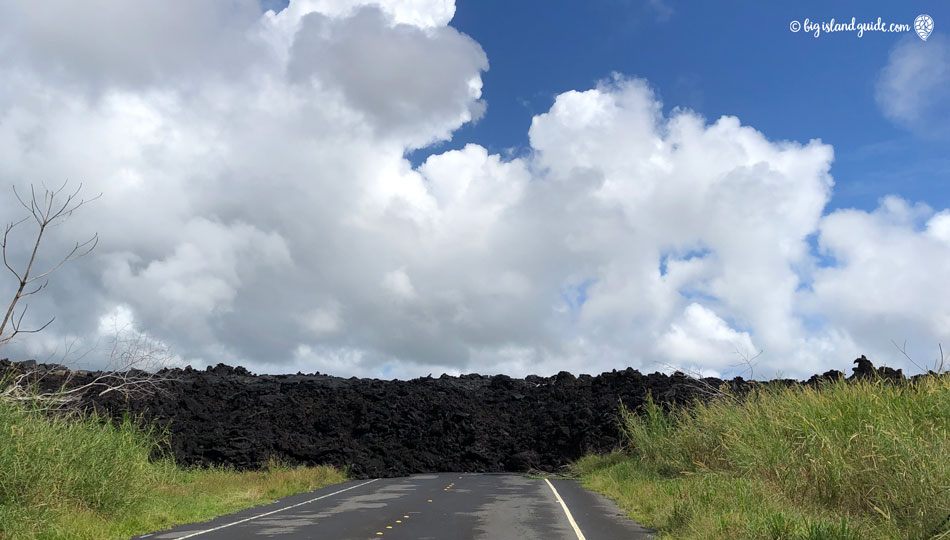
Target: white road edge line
[577, 530]
[275, 511]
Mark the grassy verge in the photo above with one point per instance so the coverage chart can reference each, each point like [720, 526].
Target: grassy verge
[84, 478]
[844, 462]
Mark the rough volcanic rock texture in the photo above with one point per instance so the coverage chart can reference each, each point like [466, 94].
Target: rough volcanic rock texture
[471, 423]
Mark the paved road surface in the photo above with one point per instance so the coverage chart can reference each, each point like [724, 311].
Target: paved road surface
[424, 507]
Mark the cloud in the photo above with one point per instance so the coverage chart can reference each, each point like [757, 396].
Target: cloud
[406, 79]
[912, 89]
[200, 277]
[883, 286]
[323, 320]
[419, 13]
[702, 339]
[262, 212]
[103, 44]
[398, 284]
[663, 10]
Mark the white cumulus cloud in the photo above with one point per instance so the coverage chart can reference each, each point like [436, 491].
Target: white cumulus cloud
[913, 89]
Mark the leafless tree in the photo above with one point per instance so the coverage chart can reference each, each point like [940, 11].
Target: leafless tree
[46, 212]
[748, 361]
[703, 387]
[135, 358]
[133, 371]
[939, 363]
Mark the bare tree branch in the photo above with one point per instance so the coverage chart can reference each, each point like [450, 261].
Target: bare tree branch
[903, 350]
[134, 371]
[37, 289]
[748, 361]
[702, 386]
[51, 211]
[134, 362]
[6, 234]
[70, 256]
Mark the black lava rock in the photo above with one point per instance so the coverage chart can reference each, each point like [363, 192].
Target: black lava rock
[228, 416]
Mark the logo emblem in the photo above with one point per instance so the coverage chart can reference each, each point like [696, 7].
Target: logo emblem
[924, 25]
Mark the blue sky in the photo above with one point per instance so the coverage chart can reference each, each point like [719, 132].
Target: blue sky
[732, 58]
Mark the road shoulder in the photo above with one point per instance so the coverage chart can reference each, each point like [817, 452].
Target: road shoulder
[597, 516]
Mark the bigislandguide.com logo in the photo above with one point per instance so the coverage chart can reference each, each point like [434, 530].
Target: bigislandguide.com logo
[923, 26]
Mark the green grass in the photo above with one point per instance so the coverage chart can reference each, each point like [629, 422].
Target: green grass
[866, 460]
[87, 478]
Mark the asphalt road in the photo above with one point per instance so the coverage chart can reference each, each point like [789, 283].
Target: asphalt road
[432, 506]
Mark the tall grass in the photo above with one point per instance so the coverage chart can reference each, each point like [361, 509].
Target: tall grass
[860, 460]
[84, 477]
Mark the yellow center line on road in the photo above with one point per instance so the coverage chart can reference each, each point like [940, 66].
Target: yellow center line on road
[570, 518]
[405, 516]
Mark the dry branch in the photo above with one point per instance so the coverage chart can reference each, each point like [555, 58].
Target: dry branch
[51, 211]
[134, 371]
